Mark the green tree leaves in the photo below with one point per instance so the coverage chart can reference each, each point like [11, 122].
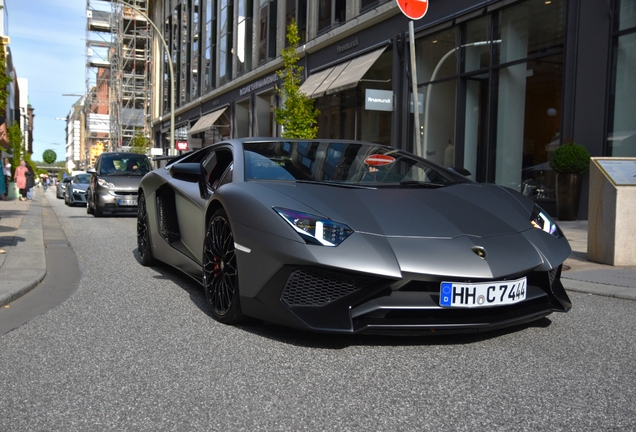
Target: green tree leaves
[49, 156]
[298, 116]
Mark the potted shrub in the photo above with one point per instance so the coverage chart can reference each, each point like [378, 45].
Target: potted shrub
[569, 161]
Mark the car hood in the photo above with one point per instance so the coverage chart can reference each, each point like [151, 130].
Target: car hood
[124, 181]
[480, 210]
[81, 186]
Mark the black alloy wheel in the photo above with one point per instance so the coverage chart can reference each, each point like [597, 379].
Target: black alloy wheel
[220, 271]
[144, 248]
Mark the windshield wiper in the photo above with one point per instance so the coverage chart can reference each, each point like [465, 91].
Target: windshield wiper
[421, 184]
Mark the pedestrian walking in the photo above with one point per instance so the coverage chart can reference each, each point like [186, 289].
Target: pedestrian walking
[3, 188]
[30, 181]
[6, 170]
[21, 180]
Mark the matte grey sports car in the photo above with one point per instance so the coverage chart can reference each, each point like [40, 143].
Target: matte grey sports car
[350, 237]
[75, 191]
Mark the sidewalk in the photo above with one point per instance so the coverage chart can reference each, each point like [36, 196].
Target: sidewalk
[24, 265]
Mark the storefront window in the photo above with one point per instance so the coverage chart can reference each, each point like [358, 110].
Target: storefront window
[242, 119]
[528, 120]
[437, 62]
[621, 140]
[264, 108]
[476, 50]
[507, 140]
[345, 114]
[626, 14]
[529, 29]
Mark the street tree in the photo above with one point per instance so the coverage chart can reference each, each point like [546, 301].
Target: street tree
[298, 116]
[49, 156]
[140, 143]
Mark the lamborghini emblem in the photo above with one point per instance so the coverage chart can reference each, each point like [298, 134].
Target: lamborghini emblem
[480, 252]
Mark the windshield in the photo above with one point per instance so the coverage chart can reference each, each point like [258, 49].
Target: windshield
[341, 163]
[125, 164]
[83, 178]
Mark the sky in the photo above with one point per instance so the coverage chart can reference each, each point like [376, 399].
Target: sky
[49, 50]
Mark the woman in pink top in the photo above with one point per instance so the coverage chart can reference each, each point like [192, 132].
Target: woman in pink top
[20, 179]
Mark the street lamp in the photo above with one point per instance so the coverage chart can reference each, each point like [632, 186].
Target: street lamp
[165, 46]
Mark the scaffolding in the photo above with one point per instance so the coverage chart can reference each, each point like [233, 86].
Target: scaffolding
[125, 50]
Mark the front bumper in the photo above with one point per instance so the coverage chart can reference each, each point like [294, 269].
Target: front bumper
[78, 198]
[317, 299]
[116, 201]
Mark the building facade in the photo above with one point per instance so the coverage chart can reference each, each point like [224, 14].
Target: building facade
[500, 83]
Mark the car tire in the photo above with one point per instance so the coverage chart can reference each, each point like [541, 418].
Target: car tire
[220, 271]
[144, 246]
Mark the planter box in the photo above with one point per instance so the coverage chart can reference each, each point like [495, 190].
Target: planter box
[13, 191]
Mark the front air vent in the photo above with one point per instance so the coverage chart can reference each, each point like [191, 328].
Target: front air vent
[318, 287]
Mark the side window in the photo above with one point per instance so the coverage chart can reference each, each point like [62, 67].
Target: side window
[224, 160]
[227, 176]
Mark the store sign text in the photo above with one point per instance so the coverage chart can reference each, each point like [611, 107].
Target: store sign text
[258, 84]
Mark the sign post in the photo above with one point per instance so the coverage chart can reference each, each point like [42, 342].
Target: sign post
[414, 10]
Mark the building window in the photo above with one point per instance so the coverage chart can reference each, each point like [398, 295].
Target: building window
[225, 41]
[621, 139]
[184, 53]
[331, 13]
[297, 10]
[267, 30]
[196, 50]
[167, 85]
[244, 36]
[366, 5]
[209, 56]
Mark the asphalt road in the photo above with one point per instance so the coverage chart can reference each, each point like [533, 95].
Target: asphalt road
[133, 348]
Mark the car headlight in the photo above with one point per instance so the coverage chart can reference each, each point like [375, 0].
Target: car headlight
[78, 191]
[541, 220]
[105, 183]
[315, 229]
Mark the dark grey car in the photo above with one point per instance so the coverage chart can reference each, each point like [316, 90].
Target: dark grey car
[114, 183]
[347, 237]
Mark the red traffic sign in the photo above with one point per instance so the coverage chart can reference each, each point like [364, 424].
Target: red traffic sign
[413, 9]
[377, 160]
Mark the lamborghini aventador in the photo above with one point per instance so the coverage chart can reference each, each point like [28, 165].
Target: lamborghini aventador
[350, 237]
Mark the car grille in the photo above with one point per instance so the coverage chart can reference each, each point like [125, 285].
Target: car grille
[318, 287]
[124, 193]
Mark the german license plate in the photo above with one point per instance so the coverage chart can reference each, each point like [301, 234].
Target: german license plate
[457, 294]
[127, 202]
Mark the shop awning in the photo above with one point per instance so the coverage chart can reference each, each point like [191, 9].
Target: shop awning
[206, 122]
[340, 77]
[312, 83]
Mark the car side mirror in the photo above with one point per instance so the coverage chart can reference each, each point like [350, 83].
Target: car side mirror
[191, 172]
[91, 170]
[461, 170]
